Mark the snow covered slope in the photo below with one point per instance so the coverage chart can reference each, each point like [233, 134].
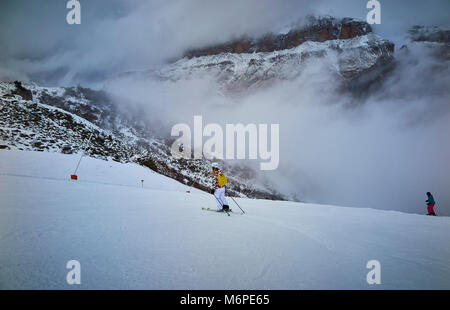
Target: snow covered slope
[59, 167]
[157, 237]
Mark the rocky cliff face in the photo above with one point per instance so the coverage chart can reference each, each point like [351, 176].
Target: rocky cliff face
[436, 39]
[429, 34]
[317, 29]
[347, 59]
[347, 46]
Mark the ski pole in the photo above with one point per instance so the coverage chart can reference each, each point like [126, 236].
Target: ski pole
[243, 212]
[218, 201]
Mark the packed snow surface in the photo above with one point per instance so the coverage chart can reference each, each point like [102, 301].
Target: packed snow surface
[157, 237]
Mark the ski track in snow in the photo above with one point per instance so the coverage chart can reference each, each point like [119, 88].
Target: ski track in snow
[157, 237]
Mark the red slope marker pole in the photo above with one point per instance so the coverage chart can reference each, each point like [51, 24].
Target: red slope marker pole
[74, 175]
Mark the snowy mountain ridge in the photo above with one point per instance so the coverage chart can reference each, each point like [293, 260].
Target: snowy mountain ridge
[346, 59]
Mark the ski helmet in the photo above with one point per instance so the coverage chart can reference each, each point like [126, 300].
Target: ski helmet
[215, 165]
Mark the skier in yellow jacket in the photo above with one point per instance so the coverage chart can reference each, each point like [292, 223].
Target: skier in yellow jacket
[218, 181]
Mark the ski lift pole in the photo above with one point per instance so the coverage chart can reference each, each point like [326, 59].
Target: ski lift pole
[79, 161]
[74, 175]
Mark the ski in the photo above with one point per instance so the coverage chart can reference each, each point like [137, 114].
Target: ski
[215, 210]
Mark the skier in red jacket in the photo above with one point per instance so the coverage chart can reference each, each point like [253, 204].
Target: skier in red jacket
[430, 204]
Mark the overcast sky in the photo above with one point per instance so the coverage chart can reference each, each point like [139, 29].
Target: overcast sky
[116, 36]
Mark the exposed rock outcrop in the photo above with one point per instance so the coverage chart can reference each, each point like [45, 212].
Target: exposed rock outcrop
[429, 34]
[436, 39]
[21, 91]
[319, 29]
